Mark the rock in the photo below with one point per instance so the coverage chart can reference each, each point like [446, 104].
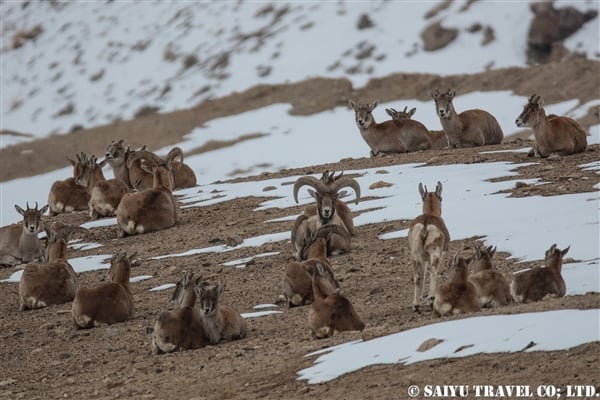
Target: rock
[429, 344]
[233, 240]
[436, 37]
[379, 185]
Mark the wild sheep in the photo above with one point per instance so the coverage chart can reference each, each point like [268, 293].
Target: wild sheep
[439, 139]
[297, 284]
[151, 209]
[117, 156]
[67, 196]
[53, 282]
[132, 173]
[428, 240]
[330, 312]
[458, 296]
[327, 193]
[553, 134]
[19, 243]
[469, 128]
[220, 322]
[533, 284]
[182, 328]
[491, 287]
[107, 303]
[183, 174]
[105, 194]
[393, 136]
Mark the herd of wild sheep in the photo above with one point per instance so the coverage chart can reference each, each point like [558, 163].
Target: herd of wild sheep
[141, 198]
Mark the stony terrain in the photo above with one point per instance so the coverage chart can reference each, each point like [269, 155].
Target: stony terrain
[42, 356]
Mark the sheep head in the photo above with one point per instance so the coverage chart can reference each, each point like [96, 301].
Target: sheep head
[327, 190]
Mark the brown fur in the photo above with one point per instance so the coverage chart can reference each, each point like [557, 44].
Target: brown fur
[117, 157]
[492, 289]
[469, 128]
[19, 243]
[458, 296]
[107, 303]
[534, 284]
[151, 209]
[331, 312]
[54, 282]
[182, 328]
[438, 139]
[105, 194]
[325, 212]
[220, 322]
[67, 196]
[553, 134]
[392, 136]
[428, 239]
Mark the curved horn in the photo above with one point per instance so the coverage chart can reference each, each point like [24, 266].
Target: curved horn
[145, 155]
[346, 181]
[531, 98]
[174, 153]
[307, 181]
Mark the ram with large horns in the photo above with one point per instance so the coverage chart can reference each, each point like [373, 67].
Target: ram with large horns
[329, 209]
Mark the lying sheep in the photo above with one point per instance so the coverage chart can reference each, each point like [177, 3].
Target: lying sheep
[220, 322]
[151, 209]
[492, 289]
[536, 283]
[53, 282]
[330, 312]
[327, 192]
[439, 139]
[19, 243]
[297, 284]
[107, 303]
[458, 296]
[182, 328]
[67, 196]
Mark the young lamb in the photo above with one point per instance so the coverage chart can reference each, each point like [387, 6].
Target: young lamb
[458, 296]
[553, 134]
[220, 322]
[105, 194]
[67, 196]
[392, 136]
[19, 243]
[151, 209]
[297, 284]
[330, 312]
[327, 193]
[492, 289]
[428, 239]
[439, 139]
[182, 328]
[107, 303]
[469, 128]
[53, 282]
[534, 284]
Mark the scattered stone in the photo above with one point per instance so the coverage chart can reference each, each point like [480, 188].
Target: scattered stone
[269, 188]
[233, 240]
[379, 185]
[365, 22]
[519, 185]
[461, 348]
[436, 37]
[7, 382]
[429, 344]
[48, 325]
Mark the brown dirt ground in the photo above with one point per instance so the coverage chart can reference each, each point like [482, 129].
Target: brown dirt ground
[42, 356]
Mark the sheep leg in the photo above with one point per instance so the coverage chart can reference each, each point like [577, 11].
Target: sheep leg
[418, 275]
[433, 274]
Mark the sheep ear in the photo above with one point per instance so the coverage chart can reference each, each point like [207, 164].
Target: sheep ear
[390, 112]
[492, 250]
[320, 269]
[313, 194]
[352, 104]
[146, 168]
[342, 193]
[103, 162]
[422, 191]
[435, 94]
[73, 162]
[477, 252]
[220, 289]
[565, 251]
[20, 210]
[43, 209]
[451, 93]
[374, 104]
[540, 102]
[412, 111]
[455, 260]
[438, 189]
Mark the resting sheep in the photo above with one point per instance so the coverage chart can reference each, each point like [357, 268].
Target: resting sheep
[458, 296]
[491, 287]
[220, 322]
[182, 328]
[19, 243]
